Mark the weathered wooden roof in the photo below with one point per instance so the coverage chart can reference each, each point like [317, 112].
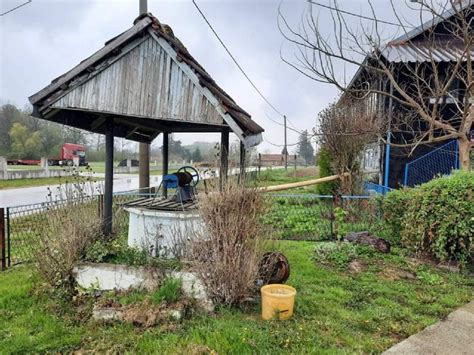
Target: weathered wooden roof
[148, 82]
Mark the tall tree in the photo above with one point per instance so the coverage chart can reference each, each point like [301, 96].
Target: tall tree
[197, 155]
[304, 147]
[23, 143]
[8, 115]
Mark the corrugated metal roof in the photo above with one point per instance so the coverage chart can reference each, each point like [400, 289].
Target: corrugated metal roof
[413, 47]
[410, 35]
[426, 51]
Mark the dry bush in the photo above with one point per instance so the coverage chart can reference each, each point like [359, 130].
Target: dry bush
[346, 128]
[63, 235]
[227, 253]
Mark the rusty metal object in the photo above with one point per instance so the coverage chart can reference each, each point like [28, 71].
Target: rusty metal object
[274, 268]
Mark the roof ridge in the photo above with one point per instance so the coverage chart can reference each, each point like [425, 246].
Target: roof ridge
[407, 36]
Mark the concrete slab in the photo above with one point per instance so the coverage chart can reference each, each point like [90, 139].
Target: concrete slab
[453, 335]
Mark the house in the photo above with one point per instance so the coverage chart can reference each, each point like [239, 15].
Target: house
[433, 50]
[272, 159]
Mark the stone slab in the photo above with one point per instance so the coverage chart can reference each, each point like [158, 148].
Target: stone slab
[453, 335]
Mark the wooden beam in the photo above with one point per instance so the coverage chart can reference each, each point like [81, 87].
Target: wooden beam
[302, 183]
[242, 160]
[224, 151]
[97, 123]
[144, 166]
[109, 176]
[165, 161]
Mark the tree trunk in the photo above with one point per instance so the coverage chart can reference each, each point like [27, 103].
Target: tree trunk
[464, 154]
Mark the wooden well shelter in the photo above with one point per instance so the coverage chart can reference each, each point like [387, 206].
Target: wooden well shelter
[143, 83]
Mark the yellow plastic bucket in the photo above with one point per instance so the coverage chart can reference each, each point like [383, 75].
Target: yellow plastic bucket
[277, 301]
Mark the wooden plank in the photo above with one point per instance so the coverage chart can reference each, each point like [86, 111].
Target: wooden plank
[138, 27]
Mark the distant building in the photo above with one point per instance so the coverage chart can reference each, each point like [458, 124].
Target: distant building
[279, 160]
[272, 159]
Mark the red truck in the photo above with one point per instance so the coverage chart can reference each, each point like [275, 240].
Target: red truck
[69, 155]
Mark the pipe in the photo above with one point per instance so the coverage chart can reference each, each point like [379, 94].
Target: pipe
[389, 139]
[301, 183]
[143, 7]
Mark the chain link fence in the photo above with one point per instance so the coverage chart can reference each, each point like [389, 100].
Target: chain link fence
[314, 217]
[290, 216]
[23, 223]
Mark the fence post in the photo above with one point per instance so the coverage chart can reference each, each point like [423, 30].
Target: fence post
[9, 255]
[2, 239]
[295, 164]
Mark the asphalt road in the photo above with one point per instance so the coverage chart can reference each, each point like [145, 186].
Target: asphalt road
[39, 194]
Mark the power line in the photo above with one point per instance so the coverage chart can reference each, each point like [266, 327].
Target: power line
[17, 7]
[235, 61]
[354, 14]
[280, 145]
[281, 124]
[249, 80]
[239, 66]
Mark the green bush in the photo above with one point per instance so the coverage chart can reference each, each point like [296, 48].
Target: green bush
[169, 291]
[436, 217]
[394, 208]
[325, 169]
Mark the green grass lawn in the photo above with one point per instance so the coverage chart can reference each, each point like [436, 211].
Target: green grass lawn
[14, 184]
[336, 312]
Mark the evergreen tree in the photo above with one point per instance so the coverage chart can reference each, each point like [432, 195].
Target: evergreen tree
[197, 155]
[304, 148]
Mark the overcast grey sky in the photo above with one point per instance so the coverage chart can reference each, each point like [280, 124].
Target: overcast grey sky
[44, 39]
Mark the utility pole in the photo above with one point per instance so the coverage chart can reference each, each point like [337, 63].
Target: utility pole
[285, 149]
[144, 148]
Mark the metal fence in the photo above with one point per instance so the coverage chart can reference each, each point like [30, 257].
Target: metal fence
[22, 224]
[440, 161]
[290, 216]
[319, 217]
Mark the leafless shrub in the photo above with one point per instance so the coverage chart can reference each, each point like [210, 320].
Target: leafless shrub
[61, 239]
[426, 87]
[346, 128]
[227, 252]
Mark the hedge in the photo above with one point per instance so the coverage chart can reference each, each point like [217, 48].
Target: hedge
[436, 217]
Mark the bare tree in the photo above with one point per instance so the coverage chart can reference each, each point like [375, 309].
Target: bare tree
[427, 73]
[346, 127]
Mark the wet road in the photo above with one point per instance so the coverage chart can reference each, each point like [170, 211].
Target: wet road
[39, 194]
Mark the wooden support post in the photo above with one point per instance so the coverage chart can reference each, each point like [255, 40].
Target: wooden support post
[165, 154]
[242, 161]
[3, 240]
[144, 166]
[224, 157]
[109, 176]
[259, 163]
